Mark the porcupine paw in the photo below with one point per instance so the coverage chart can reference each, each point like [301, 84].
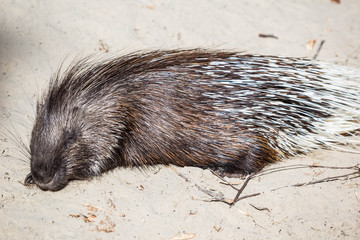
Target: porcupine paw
[29, 180]
[222, 172]
[229, 170]
[251, 159]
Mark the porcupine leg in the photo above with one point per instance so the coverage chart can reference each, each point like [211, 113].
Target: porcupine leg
[253, 157]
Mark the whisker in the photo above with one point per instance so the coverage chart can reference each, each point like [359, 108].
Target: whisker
[15, 138]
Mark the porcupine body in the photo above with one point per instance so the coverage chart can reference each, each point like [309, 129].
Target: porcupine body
[227, 111]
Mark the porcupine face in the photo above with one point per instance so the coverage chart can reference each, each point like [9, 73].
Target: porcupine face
[50, 144]
[60, 149]
[73, 137]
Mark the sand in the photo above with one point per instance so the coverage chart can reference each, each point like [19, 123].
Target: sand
[36, 36]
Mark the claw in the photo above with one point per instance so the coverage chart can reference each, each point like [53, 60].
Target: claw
[29, 180]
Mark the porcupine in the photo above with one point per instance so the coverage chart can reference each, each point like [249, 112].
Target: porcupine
[227, 111]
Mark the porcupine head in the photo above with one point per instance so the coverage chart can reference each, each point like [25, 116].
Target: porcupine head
[71, 135]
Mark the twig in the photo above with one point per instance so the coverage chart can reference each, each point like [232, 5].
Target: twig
[246, 196]
[217, 197]
[263, 35]
[318, 50]
[299, 166]
[220, 198]
[242, 188]
[223, 179]
[249, 215]
[328, 179]
[260, 209]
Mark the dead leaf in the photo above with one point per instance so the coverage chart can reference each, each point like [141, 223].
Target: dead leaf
[218, 229]
[183, 236]
[90, 218]
[107, 230]
[310, 44]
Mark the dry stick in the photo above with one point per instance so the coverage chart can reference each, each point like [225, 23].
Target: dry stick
[272, 170]
[328, 179]
[357, 166]
[223, 179]
[260, 209]
[263, 35]
[249, 215]
[242, 188]
[318, 50]
[237, 189]
[246, 196]
[292, 167]
[278, 169]
[216, 196]
[299, 166]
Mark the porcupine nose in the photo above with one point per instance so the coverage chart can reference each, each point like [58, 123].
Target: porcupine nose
[42, 178]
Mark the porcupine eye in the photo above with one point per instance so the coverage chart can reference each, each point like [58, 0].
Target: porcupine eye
[69, 137]
[52, 176]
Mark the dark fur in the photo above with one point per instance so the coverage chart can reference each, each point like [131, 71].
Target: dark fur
[146, 109]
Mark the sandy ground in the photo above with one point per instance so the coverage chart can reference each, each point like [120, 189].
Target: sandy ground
[36, 36]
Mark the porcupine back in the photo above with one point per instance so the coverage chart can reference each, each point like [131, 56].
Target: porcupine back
[229, 111]
[295, 105]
